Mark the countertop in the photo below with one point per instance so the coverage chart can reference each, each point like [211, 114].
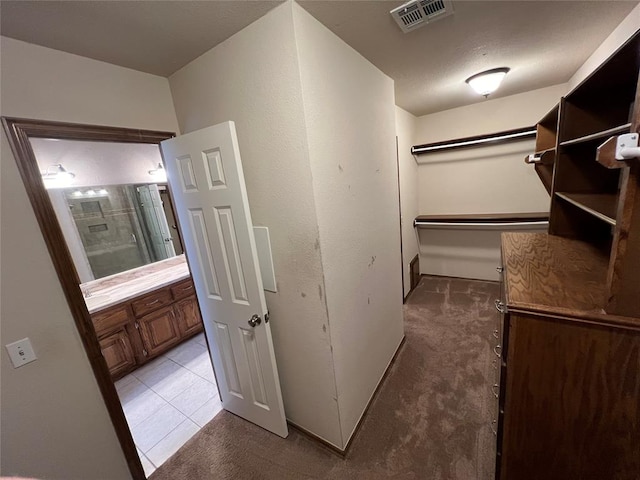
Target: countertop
[108, 291]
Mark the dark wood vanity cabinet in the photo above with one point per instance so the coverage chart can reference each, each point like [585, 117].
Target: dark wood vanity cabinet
[118, 352]
[159, 331]
[133, 332]
[188, 316]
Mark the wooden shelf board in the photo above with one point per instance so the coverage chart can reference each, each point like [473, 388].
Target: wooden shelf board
[546, 150]
[601, 205]
[594, 136]
[553, 274]
[545, 173]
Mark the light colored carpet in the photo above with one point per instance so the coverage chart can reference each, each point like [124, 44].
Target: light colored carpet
[429, 421]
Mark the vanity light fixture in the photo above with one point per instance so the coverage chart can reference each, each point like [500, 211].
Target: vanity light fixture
[159, 172]
[91, 192]
[485, 83]
[56, 176]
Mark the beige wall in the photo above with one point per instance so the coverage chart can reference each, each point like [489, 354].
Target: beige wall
[54, 422]
[408, 169]
[253, 79]
[265, 79]
[629, 26]
[350, 120]
[489, 179]
[483, 179]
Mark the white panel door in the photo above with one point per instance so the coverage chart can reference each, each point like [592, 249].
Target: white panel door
[207, 183]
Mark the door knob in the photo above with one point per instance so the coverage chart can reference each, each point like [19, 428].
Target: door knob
[254, 321]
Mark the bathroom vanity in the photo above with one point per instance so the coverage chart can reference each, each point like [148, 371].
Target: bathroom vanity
[141, 313]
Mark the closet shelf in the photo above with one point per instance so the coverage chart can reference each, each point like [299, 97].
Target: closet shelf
[601, 205]
[598, 135]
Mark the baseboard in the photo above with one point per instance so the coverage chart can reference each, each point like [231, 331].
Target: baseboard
[325, 443]
[458, 278]
[384, 376]
[412, 290]
[330, 446]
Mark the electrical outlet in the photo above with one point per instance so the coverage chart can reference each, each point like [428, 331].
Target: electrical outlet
[21, 352]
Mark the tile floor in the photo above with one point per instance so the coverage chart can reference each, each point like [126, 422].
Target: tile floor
[168, 400]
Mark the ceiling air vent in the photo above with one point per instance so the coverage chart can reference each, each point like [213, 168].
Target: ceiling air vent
[417, 13]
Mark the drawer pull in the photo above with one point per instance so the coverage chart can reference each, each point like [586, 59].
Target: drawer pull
[499, 306]
[152, 303]
[499, 269]
[495, 432]
[495, 333]
[496, 388]
[498, 351]
[184, 289]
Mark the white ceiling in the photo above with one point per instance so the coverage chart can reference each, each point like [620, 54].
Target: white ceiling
[543, 42]
[156, 37]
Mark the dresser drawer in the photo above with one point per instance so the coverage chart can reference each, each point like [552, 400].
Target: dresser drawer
[108, 320]
[151, 302]
[183, 289]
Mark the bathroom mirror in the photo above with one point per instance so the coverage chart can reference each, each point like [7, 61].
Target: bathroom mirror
[112, 202]
[113, 228]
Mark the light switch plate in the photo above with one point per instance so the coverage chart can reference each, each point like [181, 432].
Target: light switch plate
[21, 352]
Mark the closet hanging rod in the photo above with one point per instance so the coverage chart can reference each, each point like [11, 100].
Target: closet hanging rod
[482, 220]
[493, 138]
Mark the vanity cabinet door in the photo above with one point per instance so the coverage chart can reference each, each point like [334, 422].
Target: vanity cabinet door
[159, 331]
[189, 320]
[117, 351]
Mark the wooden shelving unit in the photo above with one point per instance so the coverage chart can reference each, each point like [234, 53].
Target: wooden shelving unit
[545, 150]
[603, 206]
[598, 135]
[571, 304]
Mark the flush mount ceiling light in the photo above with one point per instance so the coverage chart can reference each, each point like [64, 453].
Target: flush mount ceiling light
[56, 176]
[159, 172]
[487, 82]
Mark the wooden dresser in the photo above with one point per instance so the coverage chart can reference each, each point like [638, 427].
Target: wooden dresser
[568, 390]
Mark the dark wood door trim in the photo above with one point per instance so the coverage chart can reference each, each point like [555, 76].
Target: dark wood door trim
[18, 133]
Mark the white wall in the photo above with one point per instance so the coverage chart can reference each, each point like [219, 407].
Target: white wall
[489, 179]
[622, 32]
[408, 173]
[54, 422]
[350, 120]
[253, 79]
[99, 163]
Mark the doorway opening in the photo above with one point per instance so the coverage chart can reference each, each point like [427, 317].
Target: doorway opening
[110, 227]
